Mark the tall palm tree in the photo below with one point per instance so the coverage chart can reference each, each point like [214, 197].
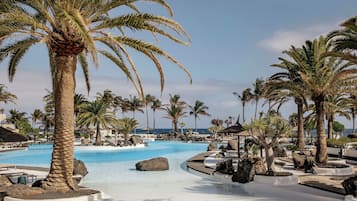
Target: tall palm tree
[79, 100]
[6, 96]
[156, 105]
[335, 104]
[15, 116]
[344, 41]
[107, 97]
[36, 115]
[135, 104]
[127, 125]
[352, 104]
[199, 108]
[244, 99]
[288, 83]
[71, 31]
[258, 86]
[321, 76]
[174, 113]
[148, 100]
[96, 114]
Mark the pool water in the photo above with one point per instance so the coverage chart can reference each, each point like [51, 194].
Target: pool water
[113, 172]
[41, 154]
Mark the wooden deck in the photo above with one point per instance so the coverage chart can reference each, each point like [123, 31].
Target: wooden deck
[196, 163]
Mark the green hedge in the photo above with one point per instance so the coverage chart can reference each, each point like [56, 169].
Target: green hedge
[339, 142]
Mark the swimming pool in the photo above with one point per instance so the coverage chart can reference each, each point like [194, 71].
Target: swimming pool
[113, 172]
[41, 154]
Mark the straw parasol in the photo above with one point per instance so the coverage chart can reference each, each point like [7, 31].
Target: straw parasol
[7, 135]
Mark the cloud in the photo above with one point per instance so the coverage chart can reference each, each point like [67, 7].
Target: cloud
[283, 39]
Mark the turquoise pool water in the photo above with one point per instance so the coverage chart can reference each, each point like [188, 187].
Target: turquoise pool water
[41, 154]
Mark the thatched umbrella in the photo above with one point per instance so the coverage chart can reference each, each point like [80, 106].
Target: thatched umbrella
[7, 135]
[238, 130]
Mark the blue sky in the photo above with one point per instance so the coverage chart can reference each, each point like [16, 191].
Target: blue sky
[233, 43]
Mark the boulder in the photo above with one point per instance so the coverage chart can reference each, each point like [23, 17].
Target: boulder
[5, 181]
[245, 173]
[212, 147]
[225, 167]
[232, 145]
[79, 168]
[279, 152]
[154, 164]
[135, 139]
[20, 190]
[350, 186]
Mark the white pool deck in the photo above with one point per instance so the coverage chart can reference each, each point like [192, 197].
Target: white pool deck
[108, 148]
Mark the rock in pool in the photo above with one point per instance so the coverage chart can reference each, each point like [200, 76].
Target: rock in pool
[154, 164]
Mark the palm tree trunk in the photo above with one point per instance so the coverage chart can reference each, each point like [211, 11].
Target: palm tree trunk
[154, 120]
[269, 155]
[196, 123]
[301, 138]
[321, 154]
[98, 137]
[147, 118]
[61, 171]
[330, 127]
[256, 109]
[243, 112]
[353, 122]
[175, 128]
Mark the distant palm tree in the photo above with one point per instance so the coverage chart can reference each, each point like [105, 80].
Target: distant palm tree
[36, 115]
[156, 105]
[244, 99]
[6, 96]
[96, 114]
[79, 100]
[124, 106]
[135, 104]
[335, 104]
[174, 113]
[258, 86]
[127, 125]
[15, 116]
[176, 100]
[352, 104]
[107, 97]
[71, 31]
[199, 108]
[148, 100]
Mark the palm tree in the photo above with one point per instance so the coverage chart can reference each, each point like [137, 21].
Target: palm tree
[156, 105]
[148, 100]
[96, 114]
[36, 115]
[288, 83]
[335, 104]
[244, 99]
[6, 96]
[124, 106]
[135, 104]
[127, 125]
[352, 103]
[344, 41]
[258, 86]
[198, 109]
[79, 100]
[174, 113]
[71, 31]
[321, 76]
[16, 116]
[107, 97]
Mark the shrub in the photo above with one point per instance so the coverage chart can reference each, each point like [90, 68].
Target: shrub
[85, 135]
[292, 147]
[338, 127]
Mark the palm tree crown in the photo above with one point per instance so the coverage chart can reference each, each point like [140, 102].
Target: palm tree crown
[71, 31]
[199, 108]
[6, 96]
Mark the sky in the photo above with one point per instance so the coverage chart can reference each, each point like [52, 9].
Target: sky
[233, 42]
